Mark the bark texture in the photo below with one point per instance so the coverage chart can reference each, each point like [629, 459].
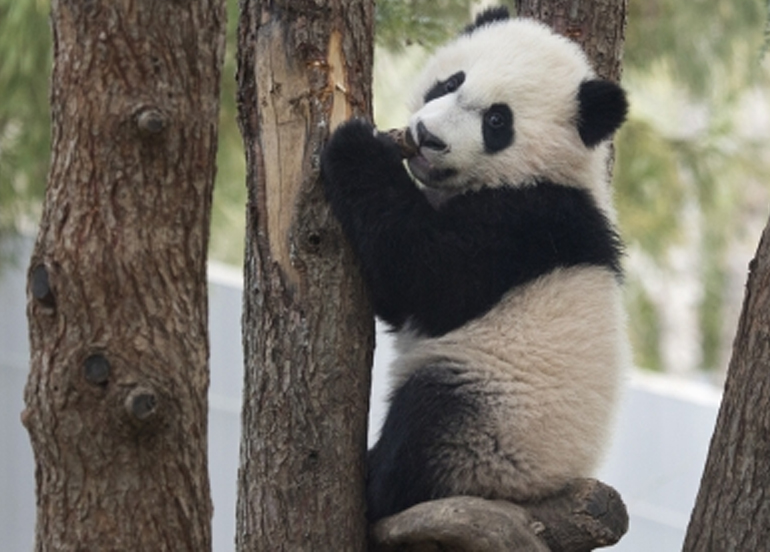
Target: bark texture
[116, 403]
[599, 26]
[303, 67]
[586, 515]
[732, 511]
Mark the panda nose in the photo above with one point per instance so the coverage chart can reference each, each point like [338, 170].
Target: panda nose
[427, 140]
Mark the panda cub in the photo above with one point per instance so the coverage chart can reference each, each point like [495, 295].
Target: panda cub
[499, 269]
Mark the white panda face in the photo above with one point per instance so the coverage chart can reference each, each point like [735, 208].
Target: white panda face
[504, 105]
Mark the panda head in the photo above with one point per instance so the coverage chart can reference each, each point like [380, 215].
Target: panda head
[510, 102]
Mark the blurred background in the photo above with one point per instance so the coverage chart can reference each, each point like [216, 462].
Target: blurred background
[691, 188]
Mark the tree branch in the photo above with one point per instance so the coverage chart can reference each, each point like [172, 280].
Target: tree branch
[586, 515]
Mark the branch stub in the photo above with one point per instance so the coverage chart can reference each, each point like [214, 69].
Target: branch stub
[96, 370]
[151, 121]
[141, 403]
[41, 286]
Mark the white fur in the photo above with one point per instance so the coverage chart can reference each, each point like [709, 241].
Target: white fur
[548, 358]
[548, 361]
[537, 73]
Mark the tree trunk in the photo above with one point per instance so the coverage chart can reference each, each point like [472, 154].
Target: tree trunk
[732, 511]
[116, 403]
[304, 67]
[599, 26]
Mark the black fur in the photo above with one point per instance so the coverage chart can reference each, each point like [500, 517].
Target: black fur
[444, 87]
[497, 128]
[440, 268]
[602, 109]
[490, 15]
[426, 412]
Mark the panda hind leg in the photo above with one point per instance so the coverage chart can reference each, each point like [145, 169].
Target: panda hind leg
[411, 461]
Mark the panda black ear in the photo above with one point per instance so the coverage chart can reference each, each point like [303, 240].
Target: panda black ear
[489, 15]
[602, 108]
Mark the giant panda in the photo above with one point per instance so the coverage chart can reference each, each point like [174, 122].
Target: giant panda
[493, 256]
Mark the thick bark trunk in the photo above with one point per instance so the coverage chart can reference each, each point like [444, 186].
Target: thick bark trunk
[732, 511]
[116, 402]
[599, 26]
[304, 67]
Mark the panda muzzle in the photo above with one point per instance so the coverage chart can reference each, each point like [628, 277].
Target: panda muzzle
[426, 139]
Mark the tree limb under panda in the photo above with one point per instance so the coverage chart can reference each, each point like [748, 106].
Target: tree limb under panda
[587, 514]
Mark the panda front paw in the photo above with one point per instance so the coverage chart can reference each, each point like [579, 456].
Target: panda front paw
[357, 154]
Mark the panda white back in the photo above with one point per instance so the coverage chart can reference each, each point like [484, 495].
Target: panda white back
[505, 294]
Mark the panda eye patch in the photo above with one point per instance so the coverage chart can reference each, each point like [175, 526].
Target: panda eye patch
[454, 83]
[444, 87]
[497, 128]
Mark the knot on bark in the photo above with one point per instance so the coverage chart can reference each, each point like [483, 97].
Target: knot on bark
[40, 286]
[96, 370]
[142, 404]
[150, 121]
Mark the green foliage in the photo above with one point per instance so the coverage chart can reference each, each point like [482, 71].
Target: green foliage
[648, 188]
[644, 327]
[701, 42]
[25, 65]
[690, 69]
[427, 23]
[228, 216]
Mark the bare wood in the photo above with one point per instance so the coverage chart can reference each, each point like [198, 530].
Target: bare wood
[586, 515]
[732, 511]
[304, 67]
[116, 403]
[599, 26]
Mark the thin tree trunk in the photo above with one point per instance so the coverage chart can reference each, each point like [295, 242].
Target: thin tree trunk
[116, 403]
[599, 26]
[732, 511]
[304, 67]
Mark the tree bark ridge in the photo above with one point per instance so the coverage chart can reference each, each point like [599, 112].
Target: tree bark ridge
[732, 511]
[303, 67]
[116, 400]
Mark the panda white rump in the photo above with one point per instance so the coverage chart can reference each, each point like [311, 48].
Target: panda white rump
[544, 367]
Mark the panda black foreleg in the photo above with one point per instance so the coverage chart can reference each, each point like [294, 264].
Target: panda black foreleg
[426, 421]
[386, 219]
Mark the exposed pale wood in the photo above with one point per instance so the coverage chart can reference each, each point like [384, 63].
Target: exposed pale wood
[304, 67]
[116, 401]
[732, 511]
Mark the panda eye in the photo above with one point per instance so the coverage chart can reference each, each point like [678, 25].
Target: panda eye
[497, 127]
[451, 85]
[444, 87]
[494, 120]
